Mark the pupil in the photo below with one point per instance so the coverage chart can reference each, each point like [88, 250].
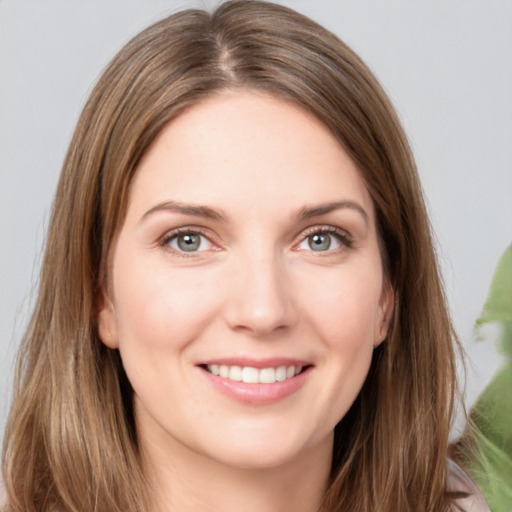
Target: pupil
[320, 242]
[189, 242]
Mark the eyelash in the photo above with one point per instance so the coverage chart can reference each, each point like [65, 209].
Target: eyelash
[171, 235]
[343, 237]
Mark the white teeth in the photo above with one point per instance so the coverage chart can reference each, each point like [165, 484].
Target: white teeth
[267, 376]
[281, 373]
[251, 375]
[235, 373]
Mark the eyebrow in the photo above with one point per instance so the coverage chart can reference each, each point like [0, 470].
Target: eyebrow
[186, 209]
[307, 212]
[322, 209]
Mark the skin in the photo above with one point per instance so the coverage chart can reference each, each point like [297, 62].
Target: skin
[255, 288]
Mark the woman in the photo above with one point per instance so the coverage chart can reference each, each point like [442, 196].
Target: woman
[240, 305]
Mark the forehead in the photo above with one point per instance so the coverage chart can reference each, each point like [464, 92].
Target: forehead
[245, 149]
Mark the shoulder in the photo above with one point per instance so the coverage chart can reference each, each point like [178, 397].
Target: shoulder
[469, 497]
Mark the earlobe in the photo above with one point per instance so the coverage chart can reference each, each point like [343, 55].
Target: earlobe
[386, 307]
[107, 330]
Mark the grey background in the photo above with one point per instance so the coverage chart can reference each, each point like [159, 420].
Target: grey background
[446, 65]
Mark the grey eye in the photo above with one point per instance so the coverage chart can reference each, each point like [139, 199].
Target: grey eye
[323, 240]
[189, 242]
[319, 242]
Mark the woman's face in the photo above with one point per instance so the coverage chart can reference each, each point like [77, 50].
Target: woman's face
[247, 291]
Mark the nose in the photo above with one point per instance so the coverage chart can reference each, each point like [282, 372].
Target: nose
[260, 300]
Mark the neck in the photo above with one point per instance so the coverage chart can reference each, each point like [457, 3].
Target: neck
[187, 481]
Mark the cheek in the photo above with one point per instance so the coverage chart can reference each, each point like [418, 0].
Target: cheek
[343, 305]
[159, 315]
[344, 314]
[348, 330]
[160, 308]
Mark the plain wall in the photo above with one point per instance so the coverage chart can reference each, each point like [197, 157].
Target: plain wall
[446, 65]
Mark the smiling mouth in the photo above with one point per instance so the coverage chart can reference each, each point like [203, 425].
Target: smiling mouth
[251, 375]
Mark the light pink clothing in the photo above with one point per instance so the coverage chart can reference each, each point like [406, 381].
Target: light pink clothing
[471, 500]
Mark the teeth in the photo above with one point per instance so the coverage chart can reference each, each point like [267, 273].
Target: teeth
[267, 376]
[235, 373]
[251, 375]
[281, 373]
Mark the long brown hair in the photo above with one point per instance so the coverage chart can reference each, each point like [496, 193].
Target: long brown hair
[71, 440]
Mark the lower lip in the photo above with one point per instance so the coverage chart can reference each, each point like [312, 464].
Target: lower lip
[258, 394]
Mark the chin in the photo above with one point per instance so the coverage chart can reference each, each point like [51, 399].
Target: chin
[251, 459]
[267, 451]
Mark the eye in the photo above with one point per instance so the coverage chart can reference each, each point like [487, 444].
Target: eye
[187, 242]
[324, 239]
[321, 242]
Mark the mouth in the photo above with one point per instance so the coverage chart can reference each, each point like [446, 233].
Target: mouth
[257, 382]
[252, 375]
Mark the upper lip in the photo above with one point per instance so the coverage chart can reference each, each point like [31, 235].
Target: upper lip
[273, 362]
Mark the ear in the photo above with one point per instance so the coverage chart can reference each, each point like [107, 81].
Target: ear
[107, 325]
[385, 313]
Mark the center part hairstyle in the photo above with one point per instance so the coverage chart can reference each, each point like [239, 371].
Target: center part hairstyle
[71, 439]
